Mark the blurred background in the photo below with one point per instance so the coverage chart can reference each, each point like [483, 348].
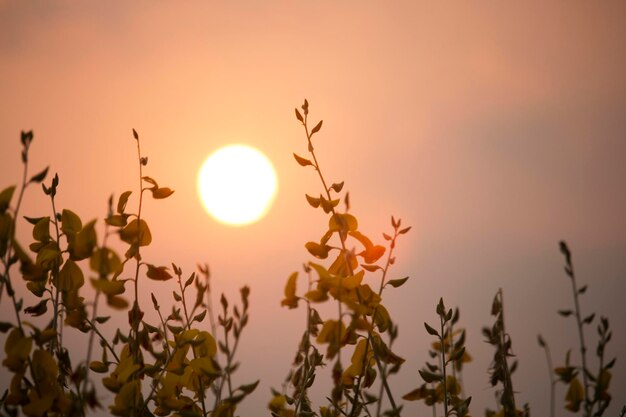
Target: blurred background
[494, 129]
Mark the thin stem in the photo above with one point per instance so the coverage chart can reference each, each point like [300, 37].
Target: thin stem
[581, 336]
[13, 224]
[443, 361]
[103, 339]
[55, 276]
[306, 364]
[546, 348]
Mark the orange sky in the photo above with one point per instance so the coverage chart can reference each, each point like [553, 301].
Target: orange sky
[494, 130]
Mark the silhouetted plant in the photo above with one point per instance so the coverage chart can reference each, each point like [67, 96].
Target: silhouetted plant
[593, 394]
[500, 371]
[443, 386]
[177, 367]
[180, 360]
[344, 281]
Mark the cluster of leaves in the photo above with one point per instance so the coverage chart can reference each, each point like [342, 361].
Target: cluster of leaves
[362, 321]
[168, 368]
[592, 395]
[449, 349]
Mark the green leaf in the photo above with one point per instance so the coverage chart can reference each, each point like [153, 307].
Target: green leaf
[98, 367]
[136, 232]
[5, 198]
[431, 331]
[70, 277]
[121, 202]
[41, 231]
[70, 222]
[317, 250]
[397, 282]
[84, 242]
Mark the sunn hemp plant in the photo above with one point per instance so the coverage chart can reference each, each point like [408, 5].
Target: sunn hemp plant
[184, 364]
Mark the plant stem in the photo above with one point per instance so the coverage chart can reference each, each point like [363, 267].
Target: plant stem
[55, 278]
[443, 367]
[581, 337]
[546, 348]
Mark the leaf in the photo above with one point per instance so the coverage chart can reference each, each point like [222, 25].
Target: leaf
[431, 331]
[38, 309]
[117, 220]
[565, 313]
[136, 231]
[299, 116]
[371, 268]
[199, 317]
[41, 231]
[38, 178]
[290, 300]
[135, 135]
[161, 193]
[317, 127]
[317, 250]
[416, 394]
[158, 273]
[122, 201]
[302, 161]
[70, 277]
[113, 287]
[342, 222]
[589, 318]
[397, 282]
[84, 242]
[98, 367]
[575, 396]
[405, 230]
[5, 198]
[5, 326]
[150, 180]
[337, 187]
[313, 202]
[429, 377]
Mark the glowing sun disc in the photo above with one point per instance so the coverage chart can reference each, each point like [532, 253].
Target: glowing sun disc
[237, 185]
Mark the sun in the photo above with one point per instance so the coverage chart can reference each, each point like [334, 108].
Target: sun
[237, 185]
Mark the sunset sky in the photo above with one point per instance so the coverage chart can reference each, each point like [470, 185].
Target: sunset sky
[495, 130]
